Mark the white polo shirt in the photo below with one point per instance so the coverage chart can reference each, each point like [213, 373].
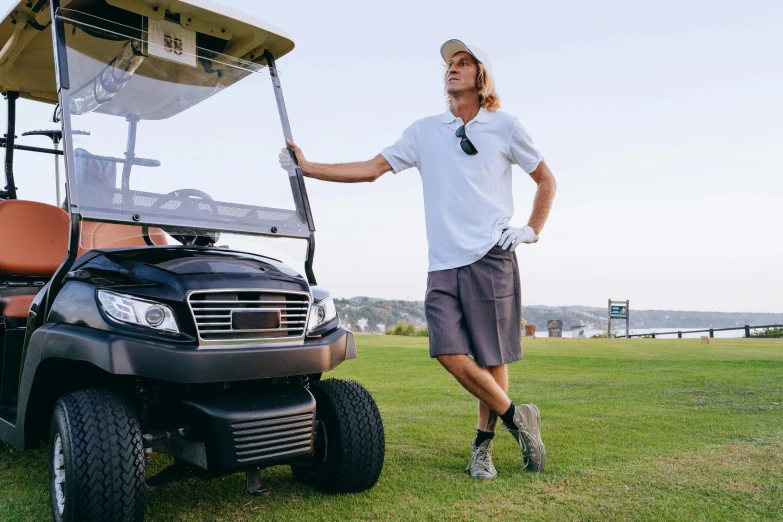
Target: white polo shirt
[467, 199]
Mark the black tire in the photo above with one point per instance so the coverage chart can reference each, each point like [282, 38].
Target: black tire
[103, 458]
[350, 445]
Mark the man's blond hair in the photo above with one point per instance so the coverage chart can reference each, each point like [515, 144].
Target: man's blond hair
[488, 96]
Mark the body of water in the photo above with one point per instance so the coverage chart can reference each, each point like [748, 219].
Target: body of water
[621, 331]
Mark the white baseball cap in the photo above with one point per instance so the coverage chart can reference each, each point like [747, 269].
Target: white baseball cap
[452, 47]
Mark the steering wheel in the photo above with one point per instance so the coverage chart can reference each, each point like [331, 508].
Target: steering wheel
[188, 240]
[190, 193]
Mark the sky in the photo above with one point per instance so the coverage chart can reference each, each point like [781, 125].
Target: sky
[662, 122]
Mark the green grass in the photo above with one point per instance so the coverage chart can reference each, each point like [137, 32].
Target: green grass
[635, 430]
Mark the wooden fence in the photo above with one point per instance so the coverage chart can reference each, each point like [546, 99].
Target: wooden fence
[711, 331]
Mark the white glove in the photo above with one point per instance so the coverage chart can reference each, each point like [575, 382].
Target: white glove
[512, 237]
[285, 159]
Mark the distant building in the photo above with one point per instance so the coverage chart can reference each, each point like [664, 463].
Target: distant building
[555, 328]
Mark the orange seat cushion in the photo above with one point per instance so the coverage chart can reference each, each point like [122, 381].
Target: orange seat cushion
[33, 238]
[95, 234]
[16, 305]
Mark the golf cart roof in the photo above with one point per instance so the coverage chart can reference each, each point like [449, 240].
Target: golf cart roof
[27, 61]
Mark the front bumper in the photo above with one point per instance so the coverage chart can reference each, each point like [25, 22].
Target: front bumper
[122, 355]
[242, 431]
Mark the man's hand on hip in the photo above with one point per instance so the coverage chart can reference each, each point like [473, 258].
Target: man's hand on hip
[512, 237]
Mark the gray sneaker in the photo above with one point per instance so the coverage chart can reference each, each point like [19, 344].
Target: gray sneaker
[480, 466]
[527, 432]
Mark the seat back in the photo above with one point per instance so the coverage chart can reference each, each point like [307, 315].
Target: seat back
[33, 238]
[34, 242]
[16, 306]
[95, 234]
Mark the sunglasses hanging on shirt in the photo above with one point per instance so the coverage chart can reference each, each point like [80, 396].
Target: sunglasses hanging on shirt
[465, 143]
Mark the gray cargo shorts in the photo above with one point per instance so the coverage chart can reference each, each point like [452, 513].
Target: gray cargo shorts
[476, 309]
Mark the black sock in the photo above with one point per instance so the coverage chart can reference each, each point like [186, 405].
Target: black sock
[482, 436]
[508, 417]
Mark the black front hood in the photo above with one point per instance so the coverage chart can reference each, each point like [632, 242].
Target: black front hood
[196, 259]
[213, 264]
[191, 268]
[166, 275]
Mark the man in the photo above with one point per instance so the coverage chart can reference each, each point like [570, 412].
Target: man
[473, 300]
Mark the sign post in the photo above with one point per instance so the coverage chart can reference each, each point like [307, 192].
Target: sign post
[619, 310]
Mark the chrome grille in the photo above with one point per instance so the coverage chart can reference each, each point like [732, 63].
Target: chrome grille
[276, 437]
[214, 311]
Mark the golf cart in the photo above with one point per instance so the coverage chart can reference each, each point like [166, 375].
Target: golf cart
[144, 311]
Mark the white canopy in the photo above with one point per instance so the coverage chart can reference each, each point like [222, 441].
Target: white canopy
[26, 57]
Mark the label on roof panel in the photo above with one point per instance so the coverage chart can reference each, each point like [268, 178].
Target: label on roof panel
[171, 41]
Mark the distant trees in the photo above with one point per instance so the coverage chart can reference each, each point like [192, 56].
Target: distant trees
[524, 321]
[407, 329]
[775, 331]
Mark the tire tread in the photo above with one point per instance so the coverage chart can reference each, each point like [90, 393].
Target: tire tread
[107, 457]
[361, 445]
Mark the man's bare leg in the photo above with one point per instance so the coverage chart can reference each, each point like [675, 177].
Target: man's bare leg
[488, 419]
[479, 381]
[483, 384]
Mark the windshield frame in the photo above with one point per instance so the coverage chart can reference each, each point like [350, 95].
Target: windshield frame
[302, 212]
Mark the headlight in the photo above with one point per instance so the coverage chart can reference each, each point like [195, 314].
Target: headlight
[132, 310]
[323, 311]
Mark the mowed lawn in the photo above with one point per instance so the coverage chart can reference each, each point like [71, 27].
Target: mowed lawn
[635, 429]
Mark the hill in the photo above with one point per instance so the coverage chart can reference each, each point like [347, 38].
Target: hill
[374, 315]
[370, 312]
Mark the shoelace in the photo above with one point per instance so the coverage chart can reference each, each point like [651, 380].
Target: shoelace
[527, 451]
[483, 458]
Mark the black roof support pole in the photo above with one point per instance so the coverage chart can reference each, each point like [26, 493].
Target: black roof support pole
[297, 181]
[40, 4]
[298, 186]
[60, 52]
[309, 261]
[10, 189]
[63, 85]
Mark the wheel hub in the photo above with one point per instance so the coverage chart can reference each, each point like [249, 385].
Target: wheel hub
[58, 463]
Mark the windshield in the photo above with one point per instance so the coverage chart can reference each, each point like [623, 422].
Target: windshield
[156, 140]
